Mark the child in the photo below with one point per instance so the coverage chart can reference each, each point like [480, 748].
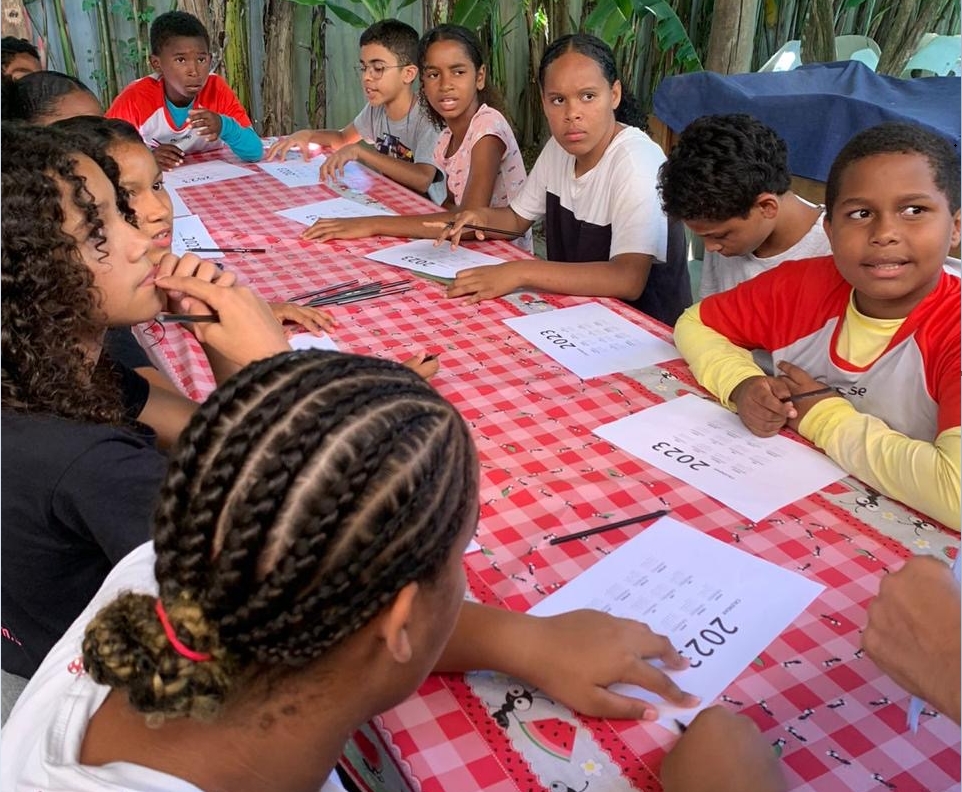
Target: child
[728, 180]
[868, 337]
[595, 185]
[477, 149]
[393, 121]
[305, 575]
[44, 97]
[182, 107]
[80, 468]
[19, 57]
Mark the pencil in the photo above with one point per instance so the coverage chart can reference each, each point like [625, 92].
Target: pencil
[169, 318]
[681, 726]
[227, 250]
[488, 229]
[806, 394]
[601, 528]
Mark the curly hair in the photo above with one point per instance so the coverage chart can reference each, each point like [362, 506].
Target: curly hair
[628, 112]
[48, 297]
[469, 42]
[899, 138]
[35, 96]
[94, 136]
[302, 497]
[719, 167]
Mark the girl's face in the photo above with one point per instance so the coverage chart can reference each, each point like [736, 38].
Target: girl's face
[141, 178]
[451, 81]
[116, 254]
[580, 107]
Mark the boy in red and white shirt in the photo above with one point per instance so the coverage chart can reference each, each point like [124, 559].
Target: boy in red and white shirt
[182, 107]
[868, 338]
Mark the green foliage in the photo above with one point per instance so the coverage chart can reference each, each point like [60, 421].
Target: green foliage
[372, 10]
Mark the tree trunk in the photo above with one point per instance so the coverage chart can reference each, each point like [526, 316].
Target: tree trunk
[732, 38]
[276, 84]
[911, 20]
[317, 95]
[818, 33]
[236, 53]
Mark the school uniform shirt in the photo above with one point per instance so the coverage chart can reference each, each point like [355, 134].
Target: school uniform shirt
[145, 105]
[411, 139]
[42, 739]
[720, 273]
[896, 423]
[612, 209]
[76, 498]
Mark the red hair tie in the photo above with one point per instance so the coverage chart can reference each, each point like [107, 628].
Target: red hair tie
[180, 648]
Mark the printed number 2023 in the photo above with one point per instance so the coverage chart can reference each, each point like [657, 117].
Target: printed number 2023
[709, 637]
[679, 455]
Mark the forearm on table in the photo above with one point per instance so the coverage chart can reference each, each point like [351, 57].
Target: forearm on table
[489, 638]
[718, 365]
[417, 176]
[335, 138]
[924, 475]
[614, 278]
[243, 141]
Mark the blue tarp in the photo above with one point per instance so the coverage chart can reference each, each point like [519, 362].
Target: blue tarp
[815, 108]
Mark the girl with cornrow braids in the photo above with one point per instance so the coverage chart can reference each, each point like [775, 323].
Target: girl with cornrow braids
[307, 575]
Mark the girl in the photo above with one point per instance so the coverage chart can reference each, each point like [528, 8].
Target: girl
[305, 575]
[80, 470]
[477, 148]
[47, 96]
[594, 184]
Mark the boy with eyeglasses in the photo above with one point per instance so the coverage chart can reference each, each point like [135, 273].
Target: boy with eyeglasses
[393, 120]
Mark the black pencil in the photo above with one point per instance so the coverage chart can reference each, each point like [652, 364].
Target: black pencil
[601, 528]
[487, 229]
[227, 250]
[806, 394]
[169, 318]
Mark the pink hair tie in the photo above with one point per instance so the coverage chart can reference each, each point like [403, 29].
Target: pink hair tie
[183, 651]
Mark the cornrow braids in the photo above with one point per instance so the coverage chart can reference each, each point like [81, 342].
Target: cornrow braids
[303, 495]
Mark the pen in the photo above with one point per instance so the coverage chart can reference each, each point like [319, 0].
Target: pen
[227, 250]
[806, 394]
[592, 531]
[169, 318]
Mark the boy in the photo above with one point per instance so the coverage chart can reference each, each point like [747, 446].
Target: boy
[868, 337]
[19, 57]
[182, 107]
[728, 180]
[393, 120]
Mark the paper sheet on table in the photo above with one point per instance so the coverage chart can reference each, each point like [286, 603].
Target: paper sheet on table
[718, 605]
[177, 203]
[332, 207]
[295, 172]
[707, 446]
[190, 233]
[204, 173]
[591, 340]
[311, 341]
[439, 262]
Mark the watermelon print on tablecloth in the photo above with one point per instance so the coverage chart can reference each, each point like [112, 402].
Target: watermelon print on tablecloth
[551, 735]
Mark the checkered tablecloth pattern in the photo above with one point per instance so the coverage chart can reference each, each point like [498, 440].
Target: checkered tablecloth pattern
[838, 723]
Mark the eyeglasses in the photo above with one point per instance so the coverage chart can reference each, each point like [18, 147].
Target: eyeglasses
[377, 69]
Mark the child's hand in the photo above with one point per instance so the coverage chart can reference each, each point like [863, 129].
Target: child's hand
[190, 265]
[425, 368]
[722, 752]
[168, 156]
[205, 123]
[455, 228]
[575, 656]
[758, 401]
[800, 381]
[340, 228]
[333, 167]
[311, 319]
[300, 140]
[485, 283]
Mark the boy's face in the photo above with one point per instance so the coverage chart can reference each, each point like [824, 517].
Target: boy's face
[383, 78]
[21, 64]
[184, 63]
[739, 236]
[890, 232]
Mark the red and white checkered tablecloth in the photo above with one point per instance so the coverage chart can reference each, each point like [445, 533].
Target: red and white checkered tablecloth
[836, 720]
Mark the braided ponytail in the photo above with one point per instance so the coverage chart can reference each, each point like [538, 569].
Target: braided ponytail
[303, 495]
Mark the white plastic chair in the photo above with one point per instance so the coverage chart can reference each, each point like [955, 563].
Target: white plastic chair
[936, 55]
[860, 48]
[788, 57]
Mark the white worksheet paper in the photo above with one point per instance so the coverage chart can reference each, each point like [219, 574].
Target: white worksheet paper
[332, 207]
[177, 203]
[591, 340]
[204, 173]
[719, 606]
[190, 233]
[311, 341]
[295, 172]
[440, 262]
[709, 447]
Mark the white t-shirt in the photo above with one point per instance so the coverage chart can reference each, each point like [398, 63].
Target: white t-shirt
[40, 743]
[721, 273]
